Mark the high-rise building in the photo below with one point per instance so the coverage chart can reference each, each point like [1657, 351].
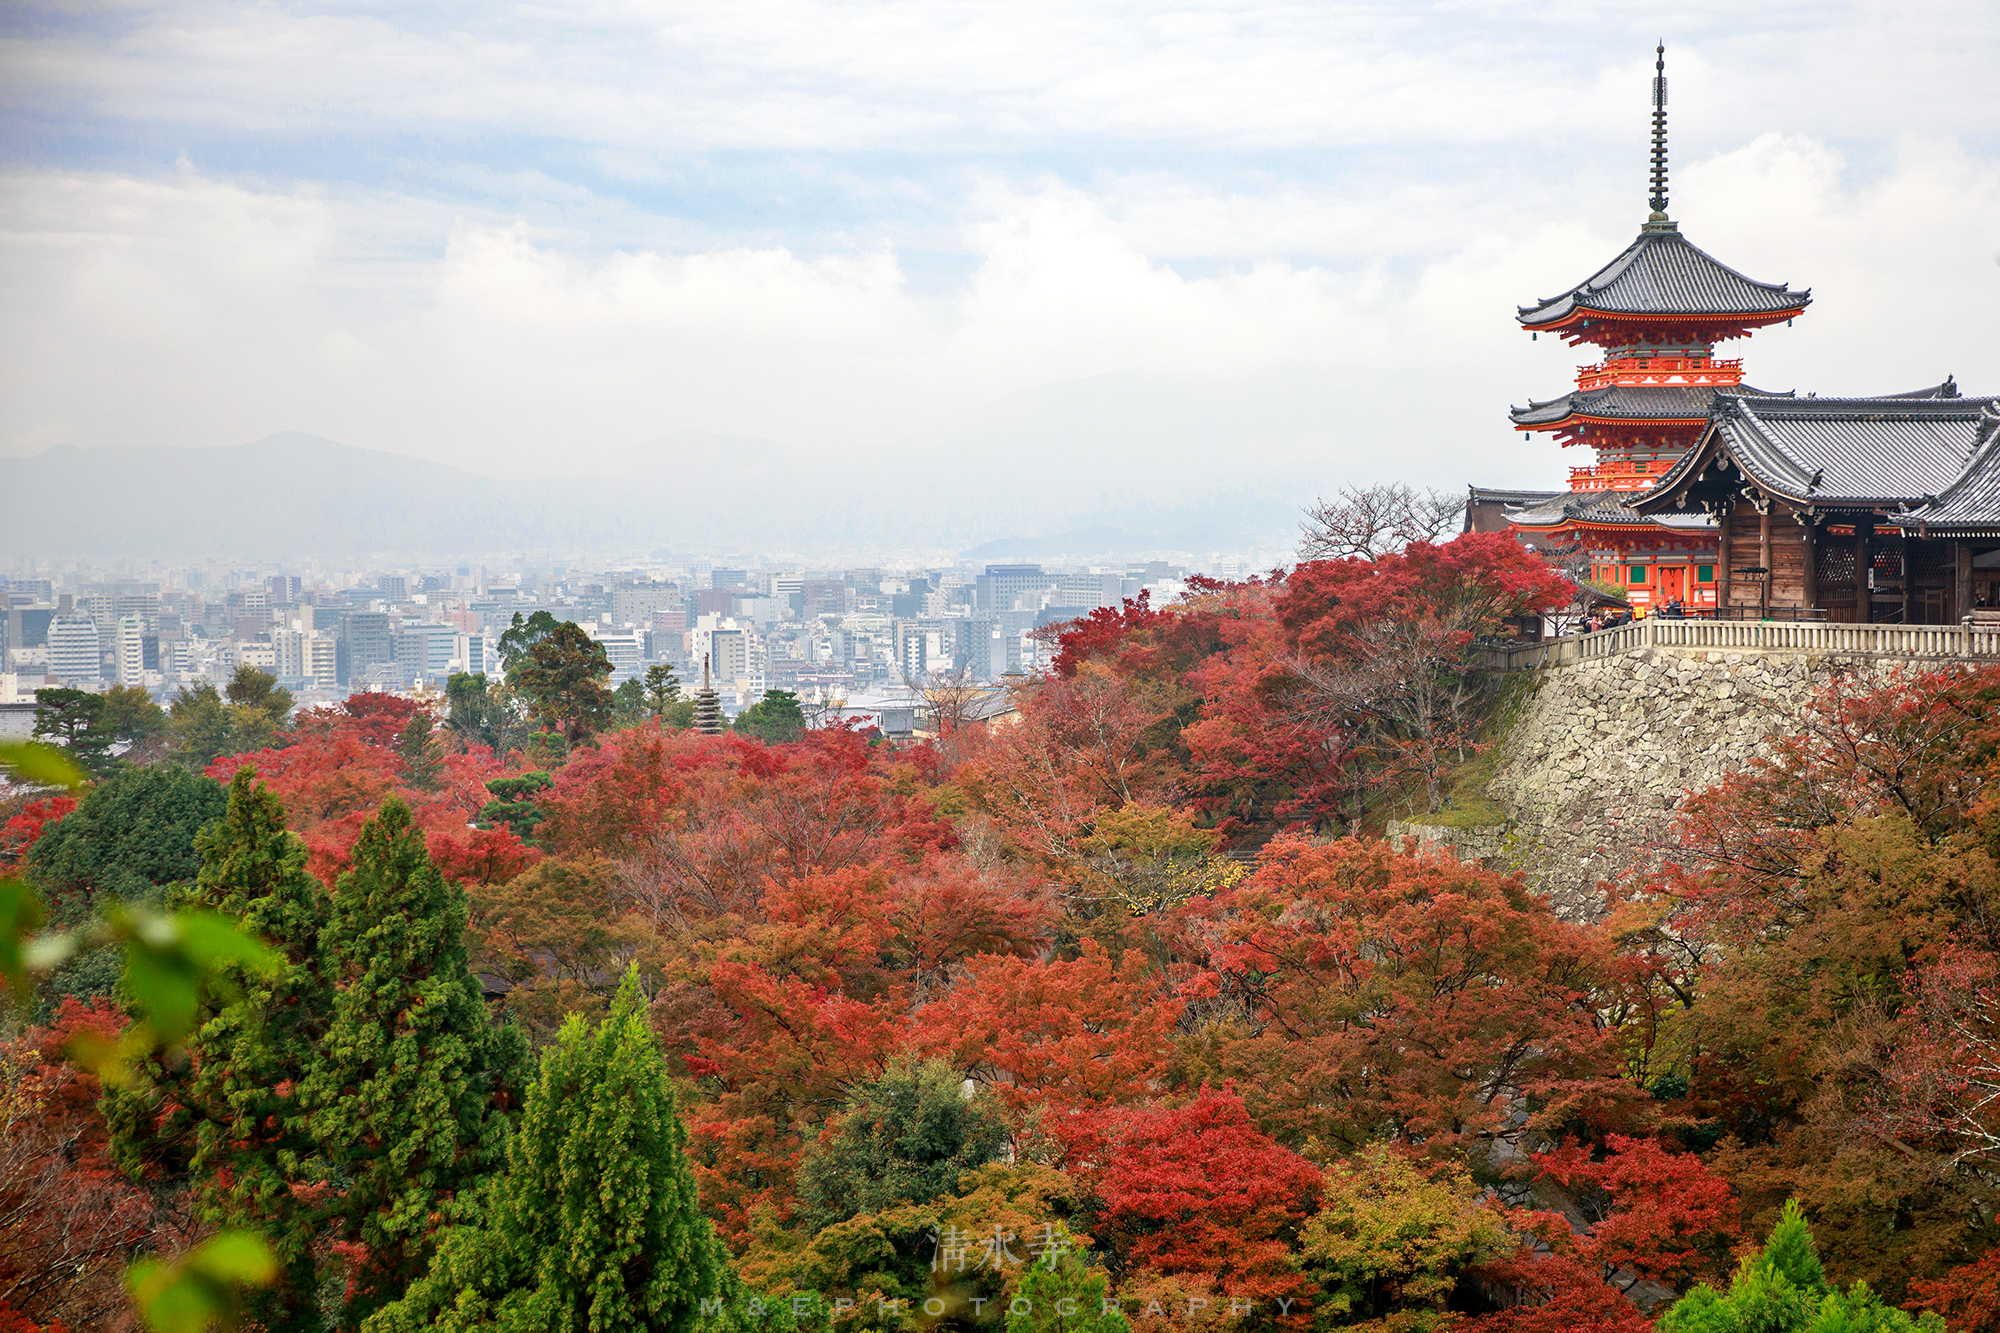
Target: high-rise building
[627, 651]
[424, 648]
[931, 646]
[726, 646]
[145, 605]
[472, 653]
[983, 652]
[638, 603]
[74, 654]
[131, 651]
[319, 654]
[717, 601]
[288, 648]
[27, 626]
[365, 641]
[823, 597]
[1002, 587]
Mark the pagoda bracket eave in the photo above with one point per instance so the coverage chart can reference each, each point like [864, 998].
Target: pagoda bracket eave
[1628, 330]
[1569, 422]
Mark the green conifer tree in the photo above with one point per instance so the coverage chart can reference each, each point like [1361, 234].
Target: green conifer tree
[407, 1095]
[594, 1225]
[224, 1119]
[1064, 1297]
[423, 758]
[1781, 1289]
[252, 1141]
[1789, 1251]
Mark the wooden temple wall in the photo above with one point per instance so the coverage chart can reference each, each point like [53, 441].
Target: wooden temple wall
[1775, 541]
[1916, 581]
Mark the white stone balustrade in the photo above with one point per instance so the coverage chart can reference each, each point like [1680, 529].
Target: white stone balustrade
[1820, 638]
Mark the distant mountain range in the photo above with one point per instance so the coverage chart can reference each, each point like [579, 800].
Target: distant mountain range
[293, 496]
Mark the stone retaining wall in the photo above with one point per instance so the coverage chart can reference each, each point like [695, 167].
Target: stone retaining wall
[1606, 750]
[1484, 843]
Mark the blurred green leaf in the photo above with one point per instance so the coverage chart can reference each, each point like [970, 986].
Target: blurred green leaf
[20, 912]
[43, 765]
[48, 950]
[171, 957]
[204, 1287]
[112, 1060]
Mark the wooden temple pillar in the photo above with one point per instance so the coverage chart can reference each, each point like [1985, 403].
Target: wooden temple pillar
[1864, 597]
[1764, 557]
[1961, 582]
[1811, 549]
[1903, 542]
[1722, 567]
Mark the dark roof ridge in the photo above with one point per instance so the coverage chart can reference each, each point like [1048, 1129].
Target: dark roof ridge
[1949, 389]
[1812, 405]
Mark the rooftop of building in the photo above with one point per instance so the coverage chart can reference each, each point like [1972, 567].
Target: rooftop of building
[1627, 402]
[1931, 455]
[1662, 273]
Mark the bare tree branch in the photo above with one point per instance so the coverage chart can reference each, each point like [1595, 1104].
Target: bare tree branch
[1364, 522]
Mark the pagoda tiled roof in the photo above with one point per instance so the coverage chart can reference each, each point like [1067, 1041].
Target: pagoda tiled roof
[1927, 453]
[1663, 273]
[1626, 402]
[1600, 509]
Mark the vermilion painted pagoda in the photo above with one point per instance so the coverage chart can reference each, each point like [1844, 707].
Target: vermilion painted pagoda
[1657, 311]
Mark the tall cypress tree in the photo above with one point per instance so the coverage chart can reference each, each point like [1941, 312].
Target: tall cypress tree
[252, 1140]
[595, 1224]
[408, 1092]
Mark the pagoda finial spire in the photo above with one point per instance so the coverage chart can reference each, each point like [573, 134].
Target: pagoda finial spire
[1659, 199]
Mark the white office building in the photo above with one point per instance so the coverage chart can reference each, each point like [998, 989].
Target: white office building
[73, 650]
[471, 653]
[131, 650]
[725, 644]
[319, 656]
[424, 648]
[288, 645]
[627, 651]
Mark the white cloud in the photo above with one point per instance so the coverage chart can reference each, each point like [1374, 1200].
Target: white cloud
[670, 76]
[194, 310]
[1137, 250]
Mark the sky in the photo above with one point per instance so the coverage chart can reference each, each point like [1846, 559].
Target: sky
[1095, 253]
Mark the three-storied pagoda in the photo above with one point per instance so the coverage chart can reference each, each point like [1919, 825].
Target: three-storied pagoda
[1657, 311]
[1744, 503]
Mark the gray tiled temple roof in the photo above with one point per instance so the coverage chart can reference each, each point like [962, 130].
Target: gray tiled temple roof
[1626, 402]
[1662, 273]
[1490, 495]
[1601, 507]
[1913, 451]
[1973, 501]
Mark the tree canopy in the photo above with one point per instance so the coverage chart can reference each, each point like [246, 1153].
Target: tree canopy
[1122, 998]
[562, 680]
